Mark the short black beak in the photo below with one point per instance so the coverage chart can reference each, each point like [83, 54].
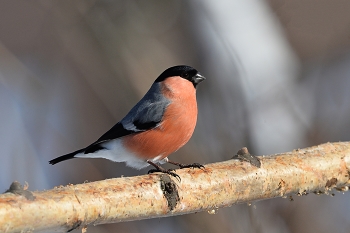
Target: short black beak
[198, 78]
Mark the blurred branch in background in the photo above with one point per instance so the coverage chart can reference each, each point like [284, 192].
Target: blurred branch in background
[317, 169]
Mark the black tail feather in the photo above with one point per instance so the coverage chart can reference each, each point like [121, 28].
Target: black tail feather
[65, 157]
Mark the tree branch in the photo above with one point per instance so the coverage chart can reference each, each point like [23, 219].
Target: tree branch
[316, 169]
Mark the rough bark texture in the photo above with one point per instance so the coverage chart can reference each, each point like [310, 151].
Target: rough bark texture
[316, 169]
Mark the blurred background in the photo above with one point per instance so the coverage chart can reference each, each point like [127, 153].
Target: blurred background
[277, 79]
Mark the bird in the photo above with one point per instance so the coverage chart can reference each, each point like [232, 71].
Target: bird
[158, 125]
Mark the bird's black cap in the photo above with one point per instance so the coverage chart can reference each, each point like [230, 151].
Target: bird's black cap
[187, 72]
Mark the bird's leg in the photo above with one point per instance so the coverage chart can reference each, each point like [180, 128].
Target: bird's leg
[163, 170]
[192, 165]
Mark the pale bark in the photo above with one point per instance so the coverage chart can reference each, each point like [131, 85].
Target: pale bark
[316, 169]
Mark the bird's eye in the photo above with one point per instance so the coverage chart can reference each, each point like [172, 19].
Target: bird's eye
[186, 75]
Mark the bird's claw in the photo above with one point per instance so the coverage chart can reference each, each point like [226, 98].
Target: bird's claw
[169, 172]
[193, 165]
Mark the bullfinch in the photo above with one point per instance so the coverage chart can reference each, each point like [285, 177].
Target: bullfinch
[158, 125]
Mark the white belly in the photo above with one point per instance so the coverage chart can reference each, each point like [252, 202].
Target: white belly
[115, 151]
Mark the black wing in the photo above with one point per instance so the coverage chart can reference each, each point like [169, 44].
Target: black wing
[145, 115]
[116, 131]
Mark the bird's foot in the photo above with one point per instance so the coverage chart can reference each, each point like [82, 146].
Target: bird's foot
[192, 165]
[163, 170]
